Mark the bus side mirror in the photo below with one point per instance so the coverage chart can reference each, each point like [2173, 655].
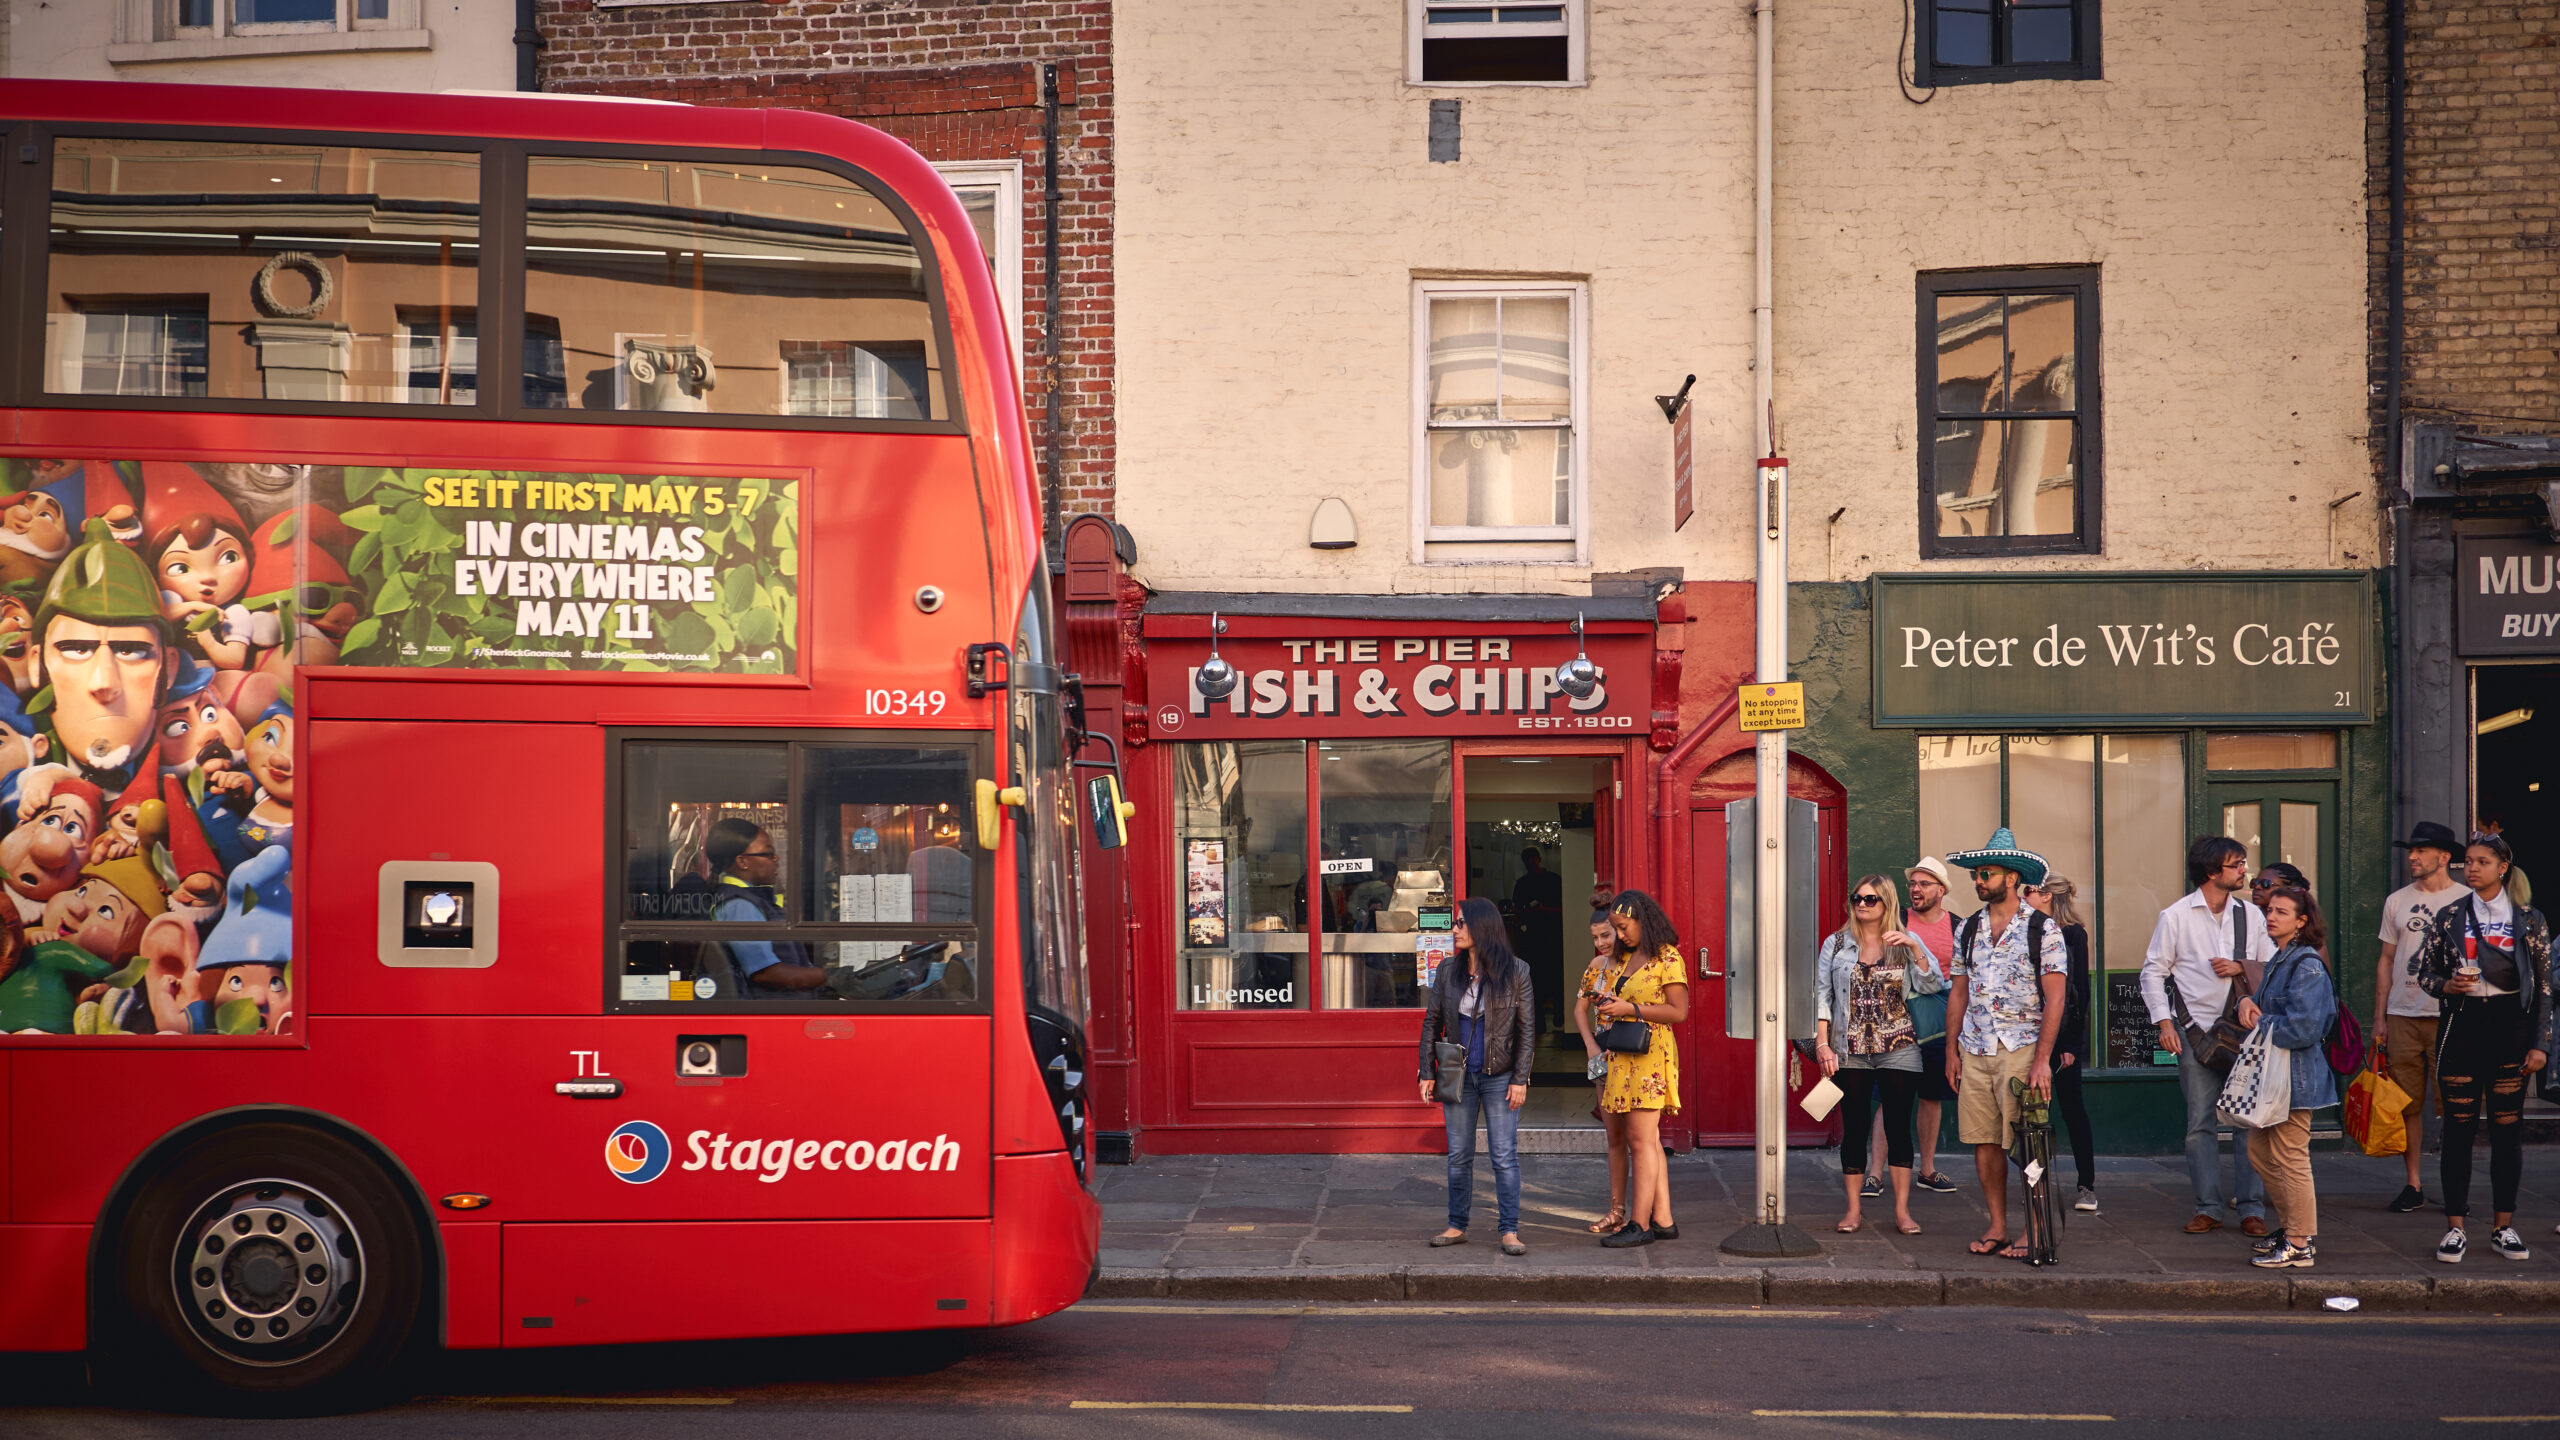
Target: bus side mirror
[1109, 813]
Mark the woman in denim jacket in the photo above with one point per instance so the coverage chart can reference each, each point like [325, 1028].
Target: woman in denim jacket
[1867, 1040]
[2295, 1004]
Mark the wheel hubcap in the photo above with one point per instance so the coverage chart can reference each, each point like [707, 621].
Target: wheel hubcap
[267, 1272]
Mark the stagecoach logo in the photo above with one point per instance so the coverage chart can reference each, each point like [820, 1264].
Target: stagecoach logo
[637, 1151]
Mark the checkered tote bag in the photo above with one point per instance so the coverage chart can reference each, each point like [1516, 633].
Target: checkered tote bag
[2259, 1091]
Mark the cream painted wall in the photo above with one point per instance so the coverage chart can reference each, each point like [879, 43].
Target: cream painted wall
[2215, 176]
[1276, 204]
[472, 47]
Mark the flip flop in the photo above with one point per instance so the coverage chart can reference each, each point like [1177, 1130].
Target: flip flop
[1984, 1247]
[1908, 1229]
[2018, 1251]
[1845, 1228]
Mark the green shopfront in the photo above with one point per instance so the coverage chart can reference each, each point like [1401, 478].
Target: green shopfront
[2109, 719]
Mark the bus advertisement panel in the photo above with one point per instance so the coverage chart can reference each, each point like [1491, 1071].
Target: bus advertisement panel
[155, 611]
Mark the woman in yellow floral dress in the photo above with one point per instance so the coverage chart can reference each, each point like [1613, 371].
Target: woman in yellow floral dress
[1647, 981]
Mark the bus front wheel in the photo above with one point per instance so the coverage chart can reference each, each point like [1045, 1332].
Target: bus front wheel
[265, 1267]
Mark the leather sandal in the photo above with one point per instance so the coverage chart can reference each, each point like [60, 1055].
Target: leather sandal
[1609, 1224]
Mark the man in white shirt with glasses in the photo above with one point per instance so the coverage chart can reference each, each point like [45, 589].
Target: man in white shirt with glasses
[2197, 950]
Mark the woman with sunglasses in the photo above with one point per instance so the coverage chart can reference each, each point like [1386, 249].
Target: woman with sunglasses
[1483, 999]
[1646, 982]
[1863, 982]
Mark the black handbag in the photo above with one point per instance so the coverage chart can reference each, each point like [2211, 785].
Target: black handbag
[1448, 1057]
[1631, 1036]
[1449, 1061]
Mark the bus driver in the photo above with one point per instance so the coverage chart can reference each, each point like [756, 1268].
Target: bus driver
[741, 854]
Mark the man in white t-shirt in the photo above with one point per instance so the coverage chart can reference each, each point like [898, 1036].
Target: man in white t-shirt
[2404, 1021]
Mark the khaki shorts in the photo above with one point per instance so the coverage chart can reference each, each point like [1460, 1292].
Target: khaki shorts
[2410, 1041]
[1986, 1112]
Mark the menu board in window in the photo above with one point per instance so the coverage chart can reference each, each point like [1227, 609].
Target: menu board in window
[2132, 1040]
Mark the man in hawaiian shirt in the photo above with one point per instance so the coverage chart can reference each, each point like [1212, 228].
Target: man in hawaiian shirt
[2005, 1006]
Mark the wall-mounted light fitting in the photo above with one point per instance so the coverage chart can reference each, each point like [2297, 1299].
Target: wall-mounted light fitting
[1217, 678]
[1578, 677]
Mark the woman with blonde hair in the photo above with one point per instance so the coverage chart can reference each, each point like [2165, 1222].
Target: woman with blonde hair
[2071, 1048]
[1865, 1037]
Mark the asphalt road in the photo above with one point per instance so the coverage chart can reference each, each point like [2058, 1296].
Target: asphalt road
[1135, 1371]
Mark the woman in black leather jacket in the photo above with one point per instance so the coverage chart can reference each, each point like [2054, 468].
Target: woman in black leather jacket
[2487, 960]
[1482, 1000]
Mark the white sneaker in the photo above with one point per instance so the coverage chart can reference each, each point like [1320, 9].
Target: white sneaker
[2507, 1242]
[2449, 1249]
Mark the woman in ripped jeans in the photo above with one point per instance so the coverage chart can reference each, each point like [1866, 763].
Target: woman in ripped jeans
[2487, 960]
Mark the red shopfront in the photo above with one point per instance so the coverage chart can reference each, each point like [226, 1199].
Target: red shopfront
[1301, 841]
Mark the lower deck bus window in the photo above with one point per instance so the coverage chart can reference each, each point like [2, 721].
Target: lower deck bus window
[809, 875]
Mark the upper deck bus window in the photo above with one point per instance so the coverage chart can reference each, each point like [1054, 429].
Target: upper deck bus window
[226, 270]
[679, 285]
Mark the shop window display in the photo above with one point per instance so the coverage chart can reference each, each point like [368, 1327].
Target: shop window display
[1242, 831]
[2110, 811]
[1377, 904]
[1383, 812]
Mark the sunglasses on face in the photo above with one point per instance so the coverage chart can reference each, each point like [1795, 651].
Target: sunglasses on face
[1987, 873]
[1866, 899]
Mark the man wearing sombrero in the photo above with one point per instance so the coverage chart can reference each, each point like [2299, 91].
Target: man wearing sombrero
[2005, 1009]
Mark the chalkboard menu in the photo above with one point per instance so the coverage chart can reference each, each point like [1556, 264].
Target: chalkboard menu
[2131, 1037]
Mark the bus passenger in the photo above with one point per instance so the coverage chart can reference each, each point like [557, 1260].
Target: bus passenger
[742, 854]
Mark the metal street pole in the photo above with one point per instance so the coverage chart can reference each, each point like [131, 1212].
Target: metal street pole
[1769, 973]
[1770, 1234]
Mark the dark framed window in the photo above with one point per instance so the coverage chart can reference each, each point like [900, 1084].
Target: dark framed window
[2009, 411]
[795, 873]
[1975, 42]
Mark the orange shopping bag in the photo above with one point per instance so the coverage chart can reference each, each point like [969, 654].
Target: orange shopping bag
[2374, 1106]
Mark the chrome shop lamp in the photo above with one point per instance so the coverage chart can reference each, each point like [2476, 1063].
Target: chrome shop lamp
[1576, 677]
[1216, 679]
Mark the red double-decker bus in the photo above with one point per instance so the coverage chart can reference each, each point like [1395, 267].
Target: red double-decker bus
[533, 776]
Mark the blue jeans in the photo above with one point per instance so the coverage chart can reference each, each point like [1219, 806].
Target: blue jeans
[2202, 1087]
[1487, 1093]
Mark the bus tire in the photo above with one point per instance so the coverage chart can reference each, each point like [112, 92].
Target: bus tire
[266, 1268]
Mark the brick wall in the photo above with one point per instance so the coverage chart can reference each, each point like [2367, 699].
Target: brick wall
[958, 81]
[2483, 239]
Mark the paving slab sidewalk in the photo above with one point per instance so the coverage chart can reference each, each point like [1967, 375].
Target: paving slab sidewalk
[1353, 1227]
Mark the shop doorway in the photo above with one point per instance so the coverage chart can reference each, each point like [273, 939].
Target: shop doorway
[2515, 777]
[2292, 821]
[1539, 843]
